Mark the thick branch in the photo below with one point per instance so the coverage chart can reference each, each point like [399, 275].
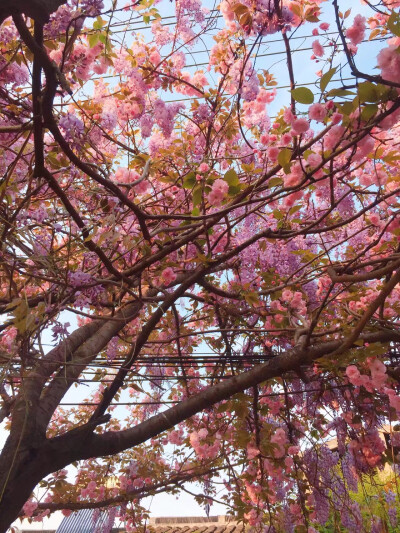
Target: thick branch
[39, 10]
[110, 443]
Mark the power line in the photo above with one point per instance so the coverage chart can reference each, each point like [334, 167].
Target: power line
[167, 402]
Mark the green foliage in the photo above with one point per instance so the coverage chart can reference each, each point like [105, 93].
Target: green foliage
[303, 95]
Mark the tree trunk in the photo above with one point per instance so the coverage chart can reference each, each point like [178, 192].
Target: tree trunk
[19, 475]
[22, 467]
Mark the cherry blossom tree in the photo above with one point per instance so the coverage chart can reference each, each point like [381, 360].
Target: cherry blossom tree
[231, 273]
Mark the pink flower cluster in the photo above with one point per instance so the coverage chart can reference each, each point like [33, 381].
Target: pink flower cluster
[394, 399]
[314, 160]
[252, 451]
[125, 175]
[29, 508]
[300, 125]
[90, 491]
[295, 300]
[263, 18]
[333, 137]
[389, 63]
[368, 449]
[317, 112]
[376, 381]
[218, 192]
[317, 48]
[279, 438]
[356, 32]
[168, 276]
[204, 450]
[378, 372]
[294, 178]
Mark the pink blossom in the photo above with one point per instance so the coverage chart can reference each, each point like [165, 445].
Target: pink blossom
[289, 462]
[29, 507]
[203, 433]
[155, 57]
[378, 373]
[314, 160]
[295, 176]
[333, 137]
[287, 295]
[365, 146]
[218, 192]
[273, 153]
[252, 451]
[174, 437]
[194, 439]
[300, 125]
[317, 112]
[336, 118]
[288, 116]
[374, 219]
[389, 63]
[317, 48]
[324, 26]
[203, 167]
[168, 275]
[353, 374]
[356, 32]
[394, 400]
[280, 439]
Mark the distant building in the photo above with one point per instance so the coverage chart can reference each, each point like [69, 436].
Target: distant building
[82, 522]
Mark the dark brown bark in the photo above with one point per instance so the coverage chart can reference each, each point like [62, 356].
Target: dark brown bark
[39, 10]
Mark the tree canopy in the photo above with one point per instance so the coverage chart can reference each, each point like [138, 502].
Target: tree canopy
[207, 241]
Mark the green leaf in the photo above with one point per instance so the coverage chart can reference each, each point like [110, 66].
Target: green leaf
[368, 92]
[252, 298]
[99, 23]
[347, 108]
[326, 78]
[274, 182]
[394, 23]
[189, 181]
[278, 214]
[197, 196]
[103, 38]
[231, 178]
[294, 209]
[369, 111]
[340, 92]
[303, 95]
[233, 190]
[284, 157]
[93, 39]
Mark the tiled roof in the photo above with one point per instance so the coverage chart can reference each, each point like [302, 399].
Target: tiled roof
[83, 521]
[231, 528]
